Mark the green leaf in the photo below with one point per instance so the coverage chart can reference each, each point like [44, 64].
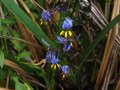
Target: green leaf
[18, 84]
[34, 70]
[98, 38]
[41, 73]
[28, 86]
[17, 45]
[1, 58]
[4, 30]
[9, 20]
[2, 75]
[26, 20]
[24, 54]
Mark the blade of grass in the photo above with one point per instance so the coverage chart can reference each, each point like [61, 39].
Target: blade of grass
[1, 59]
[28, 37]
[107, 8]
[118, 85]
[110, 69]
[28, 11]
[108, 48]
[25, 19]
[21, 72]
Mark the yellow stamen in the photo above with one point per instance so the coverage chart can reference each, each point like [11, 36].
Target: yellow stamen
[70, 33]
[54, 66]
[41, 21]
[58, 65]
[62, 33]
[71, 44]
[63, 75]
[65, 34]
[46, 23]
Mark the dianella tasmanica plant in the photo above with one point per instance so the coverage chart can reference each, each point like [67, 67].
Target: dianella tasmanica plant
[59, 44]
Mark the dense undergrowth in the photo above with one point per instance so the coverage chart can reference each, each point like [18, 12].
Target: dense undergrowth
[59, 44]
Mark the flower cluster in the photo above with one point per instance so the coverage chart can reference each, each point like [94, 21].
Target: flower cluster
[65, 38]
[66, 26]
[45, 17]
[52, 58]
[67, 43]
[66, 34]
[65, 70]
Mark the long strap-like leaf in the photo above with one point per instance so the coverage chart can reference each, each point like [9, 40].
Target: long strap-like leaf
[98, 38]
[27, 22]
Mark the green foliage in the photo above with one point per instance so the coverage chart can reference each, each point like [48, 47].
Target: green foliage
[88, 45]
[2, 75]
[8, 21]
[18, 84]
[1, 58]
[24, 54]
[37, 31]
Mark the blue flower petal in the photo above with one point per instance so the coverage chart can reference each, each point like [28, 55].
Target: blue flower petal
[50, 54]
[46, 15]
[67, 47]
[65, 69]
[54, 60]
[61, 39]
[67, 24]
[45, 42]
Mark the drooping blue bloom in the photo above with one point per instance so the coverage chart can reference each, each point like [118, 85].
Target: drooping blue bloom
[67, 43]
[63, 40]
[54, 60]
[67, 47]
[65, 70]
[52, 57]
[54, 63]
[46, 15]
[67, 24]
[50, 54]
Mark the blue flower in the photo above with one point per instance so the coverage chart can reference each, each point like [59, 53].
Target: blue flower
[52, 57]
[67, 43]
[50, 54]
[65, 70]
[67, 46]
[54, 60]
[46, 15]
[67, 24]
[54, 63]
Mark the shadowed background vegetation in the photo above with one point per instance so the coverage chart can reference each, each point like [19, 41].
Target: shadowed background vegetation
[94, 58]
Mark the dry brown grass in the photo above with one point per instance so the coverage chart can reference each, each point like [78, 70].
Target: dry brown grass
[110, 55]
